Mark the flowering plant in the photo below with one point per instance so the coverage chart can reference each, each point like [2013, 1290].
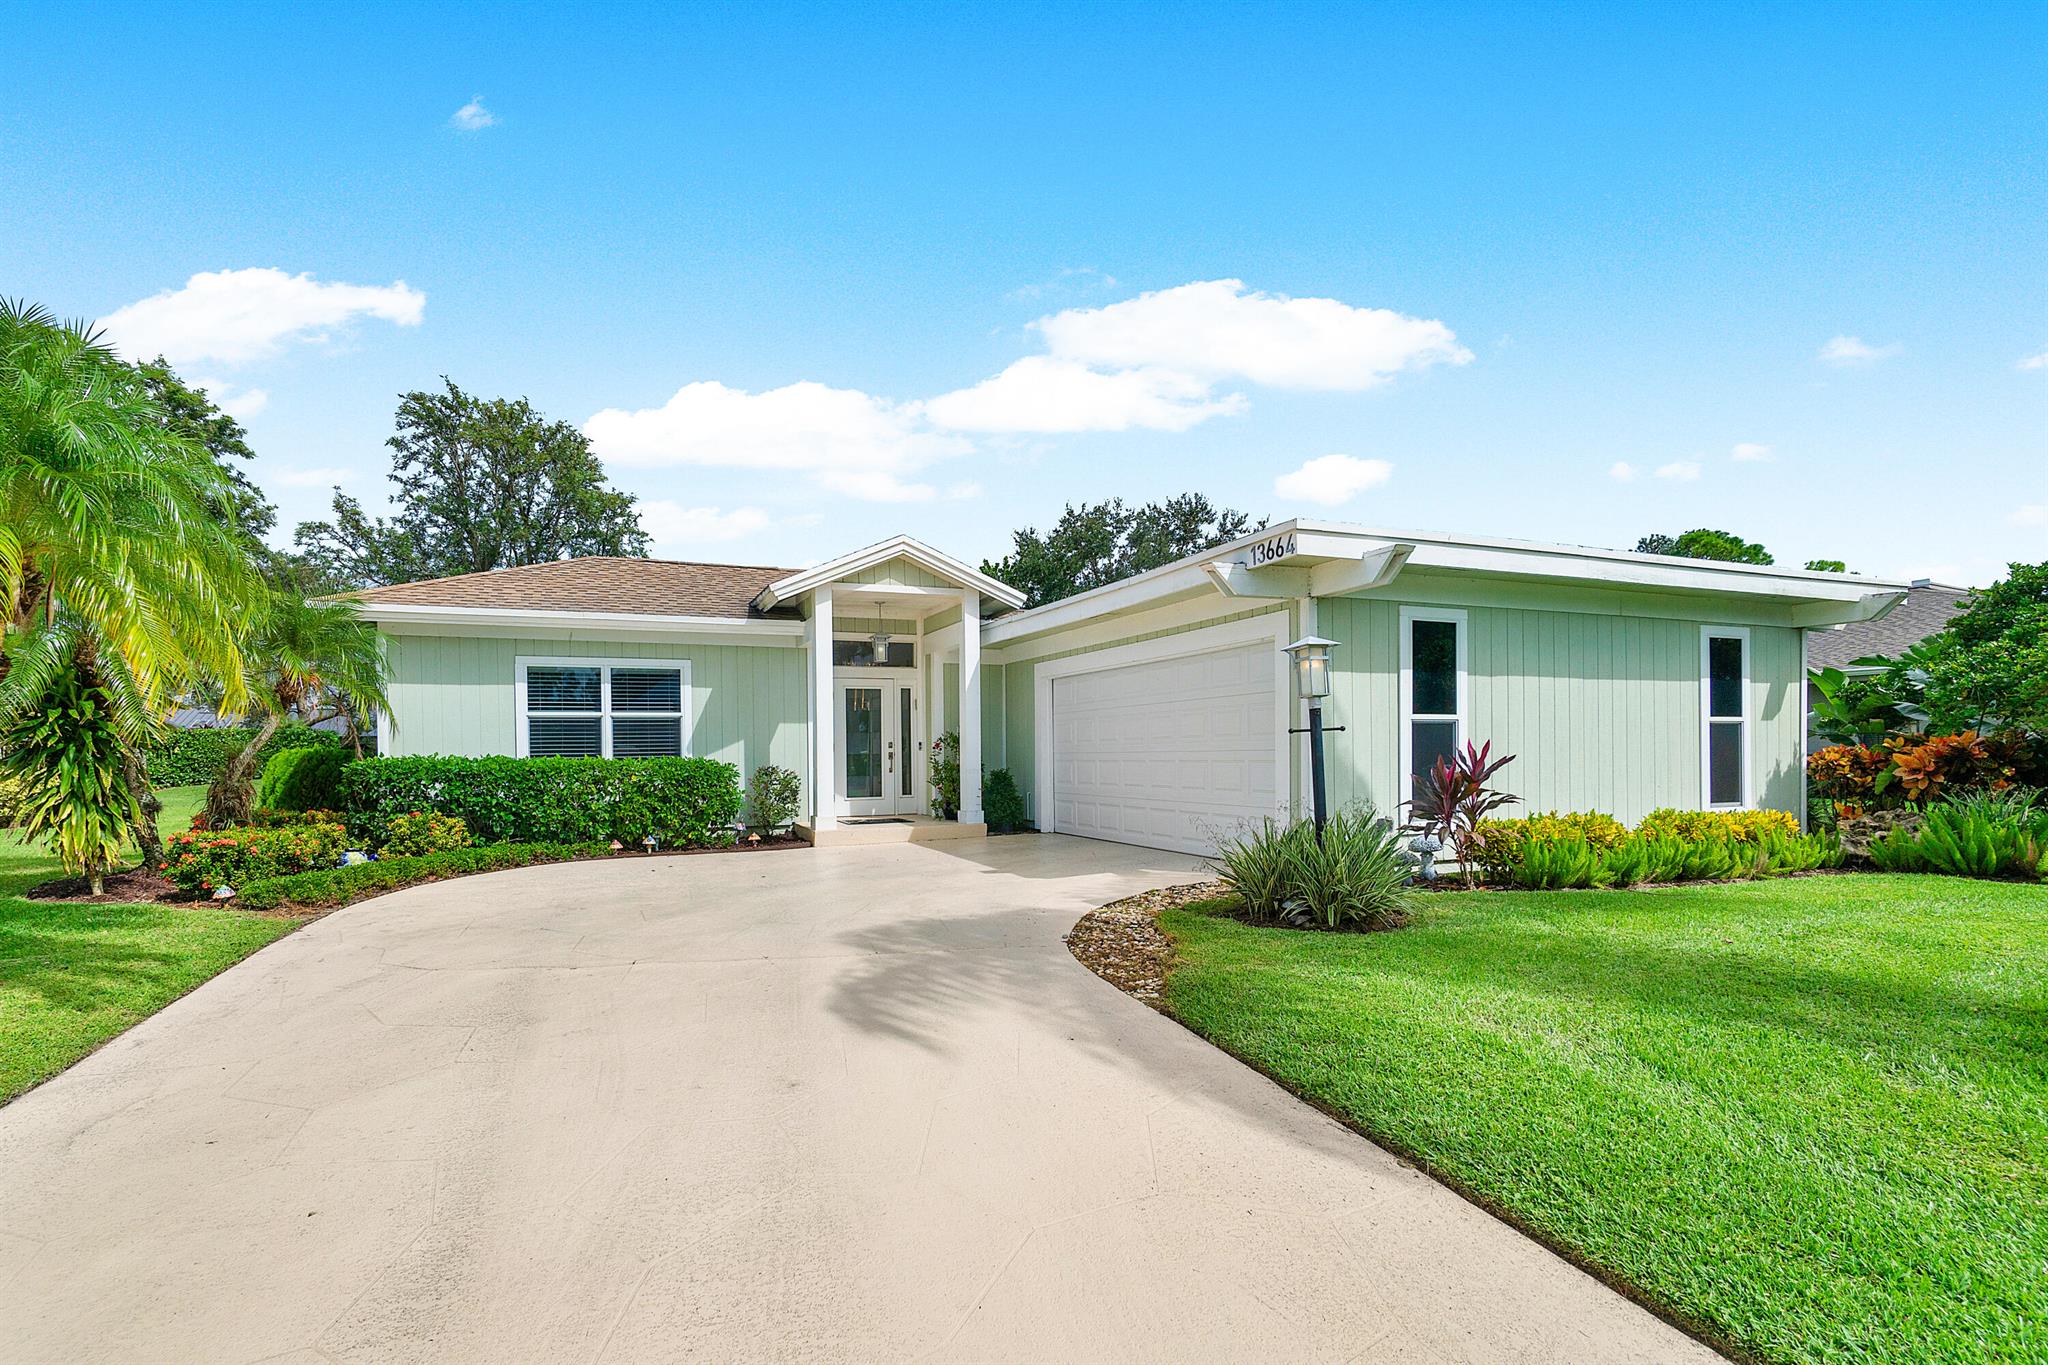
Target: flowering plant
[198, 861]
[424, 831]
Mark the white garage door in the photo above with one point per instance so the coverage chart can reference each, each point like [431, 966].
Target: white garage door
[1174, 753]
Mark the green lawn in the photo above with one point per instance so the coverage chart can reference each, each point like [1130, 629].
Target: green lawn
[73, 976]
[1808, 1116]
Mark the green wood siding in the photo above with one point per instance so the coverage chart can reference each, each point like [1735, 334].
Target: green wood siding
[453, 694]
[1602, 712]
[1600, 705]
[900, 573]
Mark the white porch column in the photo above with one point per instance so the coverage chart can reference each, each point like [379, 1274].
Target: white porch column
[970, 707]
[824, 761]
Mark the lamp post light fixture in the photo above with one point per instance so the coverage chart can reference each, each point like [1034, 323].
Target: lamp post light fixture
[1310, 656]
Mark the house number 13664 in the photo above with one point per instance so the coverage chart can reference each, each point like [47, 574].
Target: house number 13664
[1272, 551]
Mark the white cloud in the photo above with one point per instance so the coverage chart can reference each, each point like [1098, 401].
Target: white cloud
[2038, 361]
[1749, 452]
[1845, 351]
[473, 117]
[1047, 394]
[325, 477]
[1622, 470]
[673, 526]
[857, 444]
[1216, 330]
[1679, 471]
[240, 404]
[235, 316]
[2030, 514]
[1331, 479]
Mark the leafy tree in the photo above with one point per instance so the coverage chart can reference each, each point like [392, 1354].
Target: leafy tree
[1826, 566]
[188, 412]
[66, 753]
[1704, 544]
[312, 661]
[1098, 543]
[118, 566]
[481, 484]
[1992, 664]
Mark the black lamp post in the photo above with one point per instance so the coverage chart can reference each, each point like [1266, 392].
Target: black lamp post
[1311, 658]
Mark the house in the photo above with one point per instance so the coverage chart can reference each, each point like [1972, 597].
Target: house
[1156, 710]
[1925, 610]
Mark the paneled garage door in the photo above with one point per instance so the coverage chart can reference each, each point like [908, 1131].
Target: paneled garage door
[1174, 753]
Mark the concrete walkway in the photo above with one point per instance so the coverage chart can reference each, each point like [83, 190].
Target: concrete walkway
[849, 1104]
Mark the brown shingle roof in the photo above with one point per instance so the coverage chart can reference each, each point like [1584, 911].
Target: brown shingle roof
[1928, 608]
[653, 587]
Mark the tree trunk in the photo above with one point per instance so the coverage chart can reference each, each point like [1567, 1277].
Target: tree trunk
[135, 773]
[233, 794]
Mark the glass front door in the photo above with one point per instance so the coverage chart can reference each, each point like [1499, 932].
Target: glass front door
[876, 776]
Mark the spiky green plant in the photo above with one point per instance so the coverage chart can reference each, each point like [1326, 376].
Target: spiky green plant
[1253, 863]
[1354, 877]
[66, 753]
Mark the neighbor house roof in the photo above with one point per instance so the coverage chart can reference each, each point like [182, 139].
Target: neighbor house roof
[1927, 608]
[607, 584]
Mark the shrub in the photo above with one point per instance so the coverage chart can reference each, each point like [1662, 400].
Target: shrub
[189, 757]
[1557, 861]
[423, 831]
[945, 776]
[1921, 768]
[1984, 837]
[774, 795]
[342, 885]
[1001, 803]
[681, 802]
[66, 753]
[1452, 799]
[13, 792]
[301, 779]
[1740, 826]
[1253, 864]
[1496, 844]
[200, 860]
[1354, 877]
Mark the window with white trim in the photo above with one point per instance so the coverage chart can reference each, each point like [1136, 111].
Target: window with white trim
[1724, 717]
[1433, 692]
[595, 708]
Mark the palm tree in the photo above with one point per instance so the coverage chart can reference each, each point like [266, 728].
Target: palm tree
[310, 661]
[114, 564]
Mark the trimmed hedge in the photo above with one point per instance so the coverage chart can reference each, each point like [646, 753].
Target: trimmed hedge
[185, 757]
[331, 887]
[682, 802]
[301, 779]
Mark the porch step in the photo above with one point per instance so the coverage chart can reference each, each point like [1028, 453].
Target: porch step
[902, 829]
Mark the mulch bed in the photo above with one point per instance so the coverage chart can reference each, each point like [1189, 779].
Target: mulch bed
[1121, 942]
[133, 886]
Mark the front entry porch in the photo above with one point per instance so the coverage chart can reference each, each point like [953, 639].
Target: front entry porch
[892, 641]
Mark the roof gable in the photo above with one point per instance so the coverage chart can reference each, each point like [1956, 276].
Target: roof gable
[899, 555]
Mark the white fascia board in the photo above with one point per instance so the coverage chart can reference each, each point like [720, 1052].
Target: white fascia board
[1329, 551]
[896, 547]
[410, 619]
[1536, 559]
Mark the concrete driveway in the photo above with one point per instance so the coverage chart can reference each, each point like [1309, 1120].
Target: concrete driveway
[855, 1104]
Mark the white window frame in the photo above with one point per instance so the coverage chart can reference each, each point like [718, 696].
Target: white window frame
[1708, 720]
[520, 716]
[1404, 783]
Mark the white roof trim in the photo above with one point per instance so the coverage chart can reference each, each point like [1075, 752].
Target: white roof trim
[1840, 596]
[897, 547]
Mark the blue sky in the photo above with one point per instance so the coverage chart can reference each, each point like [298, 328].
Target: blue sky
[780, 249]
